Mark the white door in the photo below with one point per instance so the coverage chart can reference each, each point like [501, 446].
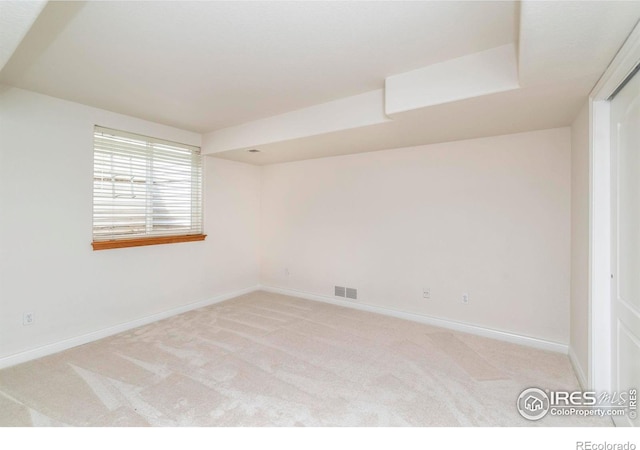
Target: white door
[625, 233]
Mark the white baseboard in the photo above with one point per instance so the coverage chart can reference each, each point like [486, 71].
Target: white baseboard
[577, 368]
[429, 320]
[59, 346]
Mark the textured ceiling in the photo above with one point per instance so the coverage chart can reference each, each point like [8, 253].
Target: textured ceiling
[16, 18]
[302, 80]
[202, 66]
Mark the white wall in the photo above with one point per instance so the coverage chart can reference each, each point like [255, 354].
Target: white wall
[47, 265]
[489, 217]
[579, 344]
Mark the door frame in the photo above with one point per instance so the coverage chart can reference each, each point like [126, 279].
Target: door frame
[600, 302]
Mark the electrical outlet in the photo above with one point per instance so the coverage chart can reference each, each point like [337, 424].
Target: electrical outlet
[465, 298]
[426, 293]
[27, 318]
[287, 273]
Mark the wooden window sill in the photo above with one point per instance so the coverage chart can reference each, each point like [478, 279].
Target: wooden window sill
[122, 243]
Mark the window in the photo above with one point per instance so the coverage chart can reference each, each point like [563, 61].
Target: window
[145, 190]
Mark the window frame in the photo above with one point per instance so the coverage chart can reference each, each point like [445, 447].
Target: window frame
[139, 239]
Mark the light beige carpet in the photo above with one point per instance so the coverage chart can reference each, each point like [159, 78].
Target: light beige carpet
[271, 360]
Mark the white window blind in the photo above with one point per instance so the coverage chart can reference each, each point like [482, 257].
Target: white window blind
[144, 187]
